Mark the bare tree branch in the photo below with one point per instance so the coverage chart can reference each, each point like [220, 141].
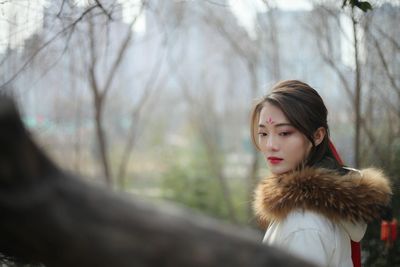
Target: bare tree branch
[121, 52]
[385, 65]
[214, 22]
[210, 147]
[136, 112]
[100, 5]
[387, 36]
[61, 9]
[100, 92]
[33, 56]
[337, 70]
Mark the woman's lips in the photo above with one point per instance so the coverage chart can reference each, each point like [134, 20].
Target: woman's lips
[274, 160]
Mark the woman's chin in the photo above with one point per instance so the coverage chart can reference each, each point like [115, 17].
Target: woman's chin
[278, 170]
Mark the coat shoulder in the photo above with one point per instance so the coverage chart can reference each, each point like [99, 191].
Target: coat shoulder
[355, 196]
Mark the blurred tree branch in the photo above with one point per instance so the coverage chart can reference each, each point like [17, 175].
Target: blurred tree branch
[100, 92]
[55, 218]
[325, 47]
[71, 27]
[135, 117]
[248, 53]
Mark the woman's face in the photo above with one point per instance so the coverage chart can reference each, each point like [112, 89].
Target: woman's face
[284, 147]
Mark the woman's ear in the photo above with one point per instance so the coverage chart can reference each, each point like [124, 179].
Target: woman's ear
[319, 135]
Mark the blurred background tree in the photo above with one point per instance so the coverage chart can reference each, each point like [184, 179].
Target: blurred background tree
[153, 97]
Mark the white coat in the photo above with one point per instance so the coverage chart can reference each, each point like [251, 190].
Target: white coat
[315, 238]
[314, 213]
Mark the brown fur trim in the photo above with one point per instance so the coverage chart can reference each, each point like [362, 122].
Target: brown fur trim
[356, 196]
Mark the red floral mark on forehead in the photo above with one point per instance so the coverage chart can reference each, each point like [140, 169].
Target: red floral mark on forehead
[270, 121]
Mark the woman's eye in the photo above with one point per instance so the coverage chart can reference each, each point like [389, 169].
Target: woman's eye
[262, 134]
[285, 133]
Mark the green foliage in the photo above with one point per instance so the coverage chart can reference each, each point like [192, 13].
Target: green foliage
[374, 248]
[377, 254]
[363, 5]
[190, 181]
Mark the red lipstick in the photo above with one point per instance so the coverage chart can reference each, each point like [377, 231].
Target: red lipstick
[274, 160]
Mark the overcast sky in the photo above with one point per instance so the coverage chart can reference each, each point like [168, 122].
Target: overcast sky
[19, 19]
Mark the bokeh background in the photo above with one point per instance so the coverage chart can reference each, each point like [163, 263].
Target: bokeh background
[152, 97]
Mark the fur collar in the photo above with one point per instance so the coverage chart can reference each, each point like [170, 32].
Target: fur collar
[355, 196]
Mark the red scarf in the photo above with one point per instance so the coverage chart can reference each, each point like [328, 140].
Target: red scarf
[355, 246]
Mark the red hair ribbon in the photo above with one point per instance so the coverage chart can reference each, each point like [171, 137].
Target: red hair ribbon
[355, 246]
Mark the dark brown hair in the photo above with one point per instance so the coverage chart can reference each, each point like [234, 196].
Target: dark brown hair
[306, 111]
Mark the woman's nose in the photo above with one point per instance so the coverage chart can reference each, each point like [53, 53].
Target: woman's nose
[271, 144]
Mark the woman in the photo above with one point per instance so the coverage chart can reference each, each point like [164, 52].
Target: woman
[313, 206]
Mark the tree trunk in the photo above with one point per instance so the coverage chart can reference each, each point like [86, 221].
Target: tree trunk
[101, 138]
[252, 181]
[357, 95]
[126, 155]
[216, 168]
[252, 172]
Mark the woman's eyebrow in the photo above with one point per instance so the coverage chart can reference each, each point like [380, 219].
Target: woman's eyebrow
[276, 125]
[283, 124]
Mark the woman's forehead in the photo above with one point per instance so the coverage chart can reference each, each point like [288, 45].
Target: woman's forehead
[271, 114]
